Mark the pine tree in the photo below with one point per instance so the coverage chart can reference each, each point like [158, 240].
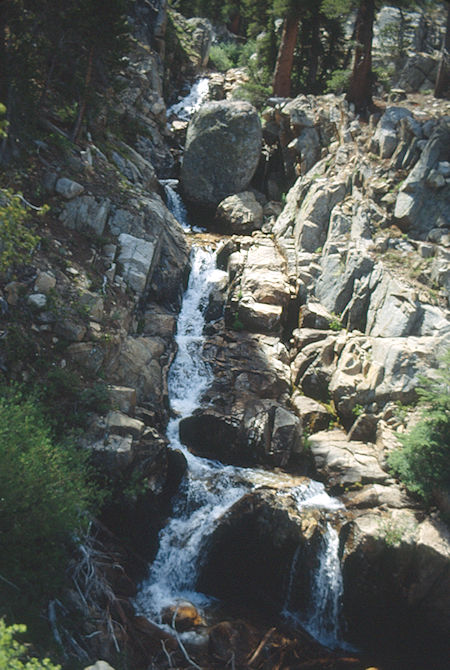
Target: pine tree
[442, 87]
[285, 56]
[360, 89]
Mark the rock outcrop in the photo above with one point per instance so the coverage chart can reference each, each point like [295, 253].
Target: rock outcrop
[396, 580]
[223, 146]
[250, 553]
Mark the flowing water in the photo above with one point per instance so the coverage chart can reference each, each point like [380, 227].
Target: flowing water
[176, 205]
[184, 108]
[209, 488]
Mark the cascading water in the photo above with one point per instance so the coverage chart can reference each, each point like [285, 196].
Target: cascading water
[175, 203]
[209, 488]
[323, 620]
[191, 102]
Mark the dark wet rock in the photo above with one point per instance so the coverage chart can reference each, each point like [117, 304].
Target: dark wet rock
[396, 572]
[258, 431]
[249, 554]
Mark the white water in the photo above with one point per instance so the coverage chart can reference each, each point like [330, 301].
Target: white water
[209, 488]
[323, 620]
[176, 205]
[184, 108]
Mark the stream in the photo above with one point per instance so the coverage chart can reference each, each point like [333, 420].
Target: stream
[210, 488]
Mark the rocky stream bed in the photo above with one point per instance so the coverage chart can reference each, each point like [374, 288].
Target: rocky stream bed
[262, 351]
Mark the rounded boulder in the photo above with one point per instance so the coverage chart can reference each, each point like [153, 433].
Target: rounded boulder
[223, 148]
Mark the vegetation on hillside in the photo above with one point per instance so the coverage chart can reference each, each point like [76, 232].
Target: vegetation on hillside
[45, 496]
[301, 47]
[14, 655]
[57, 59]
[423, 461]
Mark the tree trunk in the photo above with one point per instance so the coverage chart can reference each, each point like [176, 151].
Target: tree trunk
[314, 52]
[3, 63]
[83, 101]
[285, 57]
[360, 92]
[235, 24]
[442, 86]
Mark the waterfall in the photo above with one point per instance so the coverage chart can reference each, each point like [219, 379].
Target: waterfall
[175, 204]
[185, 107]
[209, 488]
[323, 619]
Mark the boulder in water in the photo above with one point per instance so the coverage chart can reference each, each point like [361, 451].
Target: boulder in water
[250, 553]
[223, 147]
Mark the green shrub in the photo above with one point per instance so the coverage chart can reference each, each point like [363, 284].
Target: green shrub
[17, 241]
[335, 323]
[339, 81]
[14, 654]
[253, 92]
[44, 497]
[383, 76]
[237, 323]
[423, 461]
[219, 58]
[66, 404]
[3, 122]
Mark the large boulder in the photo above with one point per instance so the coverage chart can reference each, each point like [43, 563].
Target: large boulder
[240, 214]
[385, 139]
[138, 363]
[249, 556]
[223, 147]
[342, 462]
[136, 257]
[396, 570]
[258, 431]
[259, 294]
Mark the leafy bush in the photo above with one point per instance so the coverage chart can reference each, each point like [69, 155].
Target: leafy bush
[17, 241]
[220, 57]
[3, 122]
[44, 495]
[339, 81]
[253, 92]
[66, 404]
[423, 461]
[383, 76]
[14, 654]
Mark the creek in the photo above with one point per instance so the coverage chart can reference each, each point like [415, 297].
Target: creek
[209, 489]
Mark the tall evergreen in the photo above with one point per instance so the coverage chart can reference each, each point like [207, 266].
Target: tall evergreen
[52, 52]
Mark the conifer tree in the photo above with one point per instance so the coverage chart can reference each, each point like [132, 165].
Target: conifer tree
[442, 87]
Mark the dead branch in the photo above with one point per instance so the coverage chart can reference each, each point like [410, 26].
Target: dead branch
[259, 648]
[180, 644]
[169, 659]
